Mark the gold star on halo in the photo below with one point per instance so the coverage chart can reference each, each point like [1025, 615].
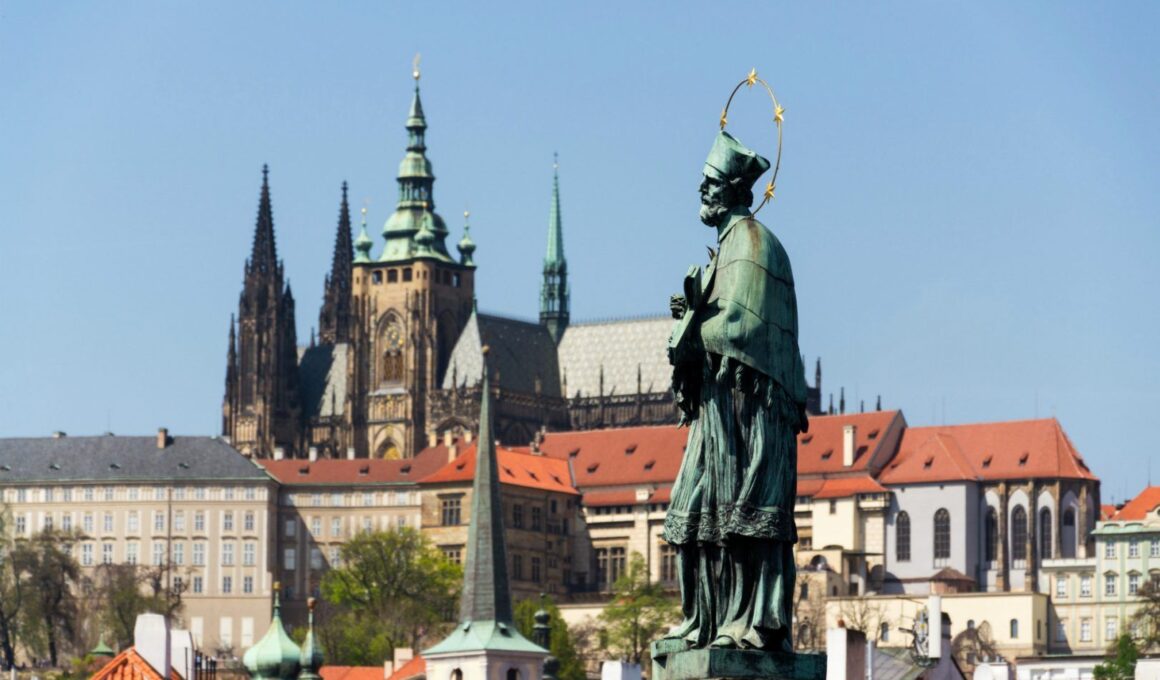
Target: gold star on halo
[723, 119]
[769, 190]
[777, 114]
[751, 78]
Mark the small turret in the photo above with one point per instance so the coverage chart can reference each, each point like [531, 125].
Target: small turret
[363, 244]
[466, 245]
[312, 659]
[554, 289]
[275, 656]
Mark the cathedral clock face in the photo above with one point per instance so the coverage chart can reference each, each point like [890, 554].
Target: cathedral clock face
[394, 337]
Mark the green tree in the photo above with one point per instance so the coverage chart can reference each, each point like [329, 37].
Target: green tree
[1146, 620]
[1121, 661]
[13, 592]
[123, 591]
[561, 645]
[394, 589]
[46, 564]
[639, 613]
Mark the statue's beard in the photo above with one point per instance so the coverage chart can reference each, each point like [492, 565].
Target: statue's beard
[713, 213]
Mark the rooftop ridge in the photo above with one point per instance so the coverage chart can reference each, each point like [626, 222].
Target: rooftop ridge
[604, 320]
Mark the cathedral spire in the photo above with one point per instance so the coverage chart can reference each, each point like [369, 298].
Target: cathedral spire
[554, 290]
[334, 318]
[416, 194]
[486, 593]
[363, 243]
[264, 256]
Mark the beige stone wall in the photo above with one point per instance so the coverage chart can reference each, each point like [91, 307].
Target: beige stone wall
[214, 536]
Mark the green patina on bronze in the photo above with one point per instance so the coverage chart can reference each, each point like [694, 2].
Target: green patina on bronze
[739, 380]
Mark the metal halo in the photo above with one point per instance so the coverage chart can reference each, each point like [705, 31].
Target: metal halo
[778, 112]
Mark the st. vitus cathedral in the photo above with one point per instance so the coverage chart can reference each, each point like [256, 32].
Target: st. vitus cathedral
[397, 361]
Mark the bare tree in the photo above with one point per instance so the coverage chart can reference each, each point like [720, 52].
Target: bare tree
[809, 612]
[864, 615]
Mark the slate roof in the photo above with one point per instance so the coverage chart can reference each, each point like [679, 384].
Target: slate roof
[111, 458]
[620, 348]
[328, 472]
[521, 353]
[322, 379]
[1141, 506]
[1020, 449]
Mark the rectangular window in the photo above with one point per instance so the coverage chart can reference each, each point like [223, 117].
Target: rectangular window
[249, 550]
[1110, 550]
[316, 499]
[1133, 548]
[251, 493]
[132, 524]
[1109, 584]
[131, 552]
[134, 493]
[290, 528]
[316, 526]
[368, 500]
[158, 493]
[108, 523]
[179, 493]
[228, 553]
[1061, 587]
[106, 553]
[315, 559]
[21, 525]
[158, 553]
[289, 559]
[179, 553]
[537, 518]
[109, 494]
[227, 584]
[1085, 630]
[87, 554]
[537, 574]
[368, 525]
[334, 555]
[248, 521]
[668, 563]
[335, 526]
[158, 521]
[1061, 630]
[1085, 586]
[179, 521]
[451, 508]
[87, 523]
[229, 493]
[247, 584]
[199, 554]
[1133, 584]
[199, 521]
[401, 521]
[199, 493]
[1111, 629]
[517, 516]
[518, 567]
[336, 500]
[66, 521]
[198, 584]
[88, 493]
[228, 520]
[66, 495]
[48, 522]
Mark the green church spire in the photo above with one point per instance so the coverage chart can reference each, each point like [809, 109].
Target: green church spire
[554, 290]
[416, 197]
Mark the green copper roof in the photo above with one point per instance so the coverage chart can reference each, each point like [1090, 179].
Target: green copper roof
[275, 657]
[485, 615]
[416, 205]
[466, 245]
[311, 660]
[555, 254]
[363, 244]
[554, 289]
[102, 649]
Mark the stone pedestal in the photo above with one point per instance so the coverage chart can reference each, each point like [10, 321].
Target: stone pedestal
[671, 660]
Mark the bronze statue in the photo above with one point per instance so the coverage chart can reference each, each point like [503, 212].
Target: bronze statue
[739, 380]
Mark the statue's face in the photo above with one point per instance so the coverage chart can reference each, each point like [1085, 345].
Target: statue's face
[714, 201]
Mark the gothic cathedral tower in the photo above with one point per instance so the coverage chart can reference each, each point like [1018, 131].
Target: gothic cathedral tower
[409, 307]
[554, 290]
[261, 411]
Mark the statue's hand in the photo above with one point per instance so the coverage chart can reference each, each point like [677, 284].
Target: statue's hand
[678, 305]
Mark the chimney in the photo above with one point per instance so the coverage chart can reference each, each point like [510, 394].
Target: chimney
[313, 454]
[279, 453]
[468, 436]
[432, 440]
[388, 669]
[350, 453]
[848, 432]
[447, 438]
[452, 451]
[182, 651]
[151, 639]
[162, 437]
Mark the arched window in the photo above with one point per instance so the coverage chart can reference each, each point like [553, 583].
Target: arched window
[1014, 629]
[456, 674]
[513, 674]
[942, 535]
[884, 632]
[991, 535]
[1045, 534]
[1019, 534]
[902, 537]
[1067, 534]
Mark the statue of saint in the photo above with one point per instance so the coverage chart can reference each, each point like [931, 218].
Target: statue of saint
[739, 381]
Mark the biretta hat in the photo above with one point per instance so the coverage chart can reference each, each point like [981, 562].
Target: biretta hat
[730, 161]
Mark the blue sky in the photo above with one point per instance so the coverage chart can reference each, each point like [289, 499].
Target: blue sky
[968, 190]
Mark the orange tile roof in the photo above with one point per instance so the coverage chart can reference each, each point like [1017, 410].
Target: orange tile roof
[129, 665]
[515, 467]
[619, 456]
[1140, 507]
[1107, 511]
[1020, 449]
[330, 471]
[415, 668]
[809, 486]
[625, 497]
[820, 449]
[844, 487]
[351, 672]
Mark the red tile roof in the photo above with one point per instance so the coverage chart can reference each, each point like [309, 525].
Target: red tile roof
[358, 471]
[1107, 511]
[844, 487]
[1142, 506]
[129, 665]
[1020, 449]
[351, 672]
[625, 497]
[515, 467]
[620, 456]
[820, 449]
[415, 668]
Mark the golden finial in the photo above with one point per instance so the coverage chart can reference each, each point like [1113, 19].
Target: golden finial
[415, 66]
[466, 214]
[277, 586]
[751, 78]
[749, 81]
[777, 114]
[769, 190]
[485, 349]
[310, 603]
[724, 120]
